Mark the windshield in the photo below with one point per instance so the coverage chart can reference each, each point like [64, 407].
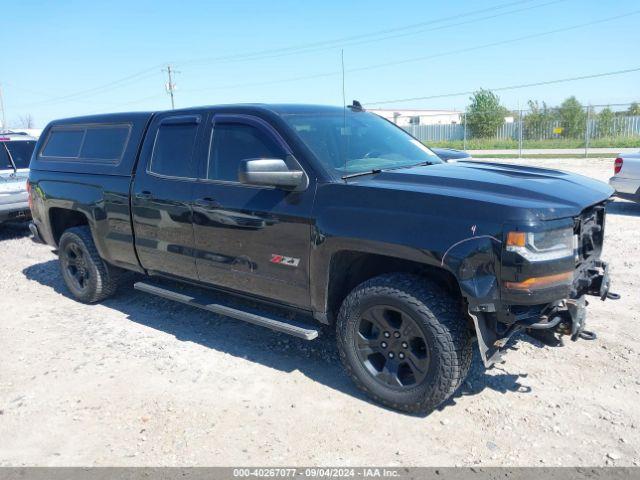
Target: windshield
[365, 140]
[20, 152]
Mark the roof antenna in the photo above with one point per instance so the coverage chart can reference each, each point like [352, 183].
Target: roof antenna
[356, 106]
[344, 97]
[344, 115]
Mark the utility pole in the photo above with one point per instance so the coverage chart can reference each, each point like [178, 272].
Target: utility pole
[170, 86]
[464, 131]
[519, 131]
[587, 132]
[4, 118]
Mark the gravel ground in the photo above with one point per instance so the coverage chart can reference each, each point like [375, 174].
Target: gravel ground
[142, 381]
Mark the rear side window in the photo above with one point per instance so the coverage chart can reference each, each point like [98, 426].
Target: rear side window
[20, 153]
[91, 143]
[105, 143]
[233, 142]
[63, 143]
[173, 150]
[5, 164]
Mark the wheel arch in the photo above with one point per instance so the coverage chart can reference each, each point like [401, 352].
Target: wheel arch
[61, 219]
[349, 268]
[97, 279]
[379, 350]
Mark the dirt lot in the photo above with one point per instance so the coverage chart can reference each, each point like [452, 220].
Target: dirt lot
[142, 381]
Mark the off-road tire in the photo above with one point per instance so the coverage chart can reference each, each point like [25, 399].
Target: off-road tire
[438, 316]
[103, 278]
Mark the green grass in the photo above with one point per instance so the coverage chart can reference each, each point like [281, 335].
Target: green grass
[493, 144]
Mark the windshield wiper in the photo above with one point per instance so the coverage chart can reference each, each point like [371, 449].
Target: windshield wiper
[421, 164]
[378, 170]
[13, 164]
[359, 174]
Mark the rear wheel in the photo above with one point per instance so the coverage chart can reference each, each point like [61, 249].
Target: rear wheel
[89, 278]
[403, 342]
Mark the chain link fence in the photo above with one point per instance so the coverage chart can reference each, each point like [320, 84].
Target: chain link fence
[539, 128]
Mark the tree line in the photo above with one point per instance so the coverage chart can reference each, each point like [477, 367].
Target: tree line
[485, 114]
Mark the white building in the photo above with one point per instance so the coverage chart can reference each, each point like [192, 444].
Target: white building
[405, 118]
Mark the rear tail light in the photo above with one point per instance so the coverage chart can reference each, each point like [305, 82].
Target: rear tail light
[29, 193]
[617, 166]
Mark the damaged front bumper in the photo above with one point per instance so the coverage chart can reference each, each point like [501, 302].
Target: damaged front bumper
[548, 322]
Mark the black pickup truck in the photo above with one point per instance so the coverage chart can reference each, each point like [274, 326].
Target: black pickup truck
[293, 216]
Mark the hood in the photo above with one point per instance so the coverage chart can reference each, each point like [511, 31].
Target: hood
[520, 192]
[448, 154]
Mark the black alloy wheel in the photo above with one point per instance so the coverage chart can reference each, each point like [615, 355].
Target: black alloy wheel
[392, 347]
[403, 341]
[76, 268]
[87, 276]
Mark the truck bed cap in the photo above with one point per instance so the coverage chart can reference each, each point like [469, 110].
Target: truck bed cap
[132, 124]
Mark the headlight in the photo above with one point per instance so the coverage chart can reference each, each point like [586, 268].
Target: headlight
[542, 246]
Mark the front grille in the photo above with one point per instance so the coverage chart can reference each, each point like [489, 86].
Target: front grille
[589, 232]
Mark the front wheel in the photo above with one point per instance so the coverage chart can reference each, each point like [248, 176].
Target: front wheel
[89, 278]
[403, 342]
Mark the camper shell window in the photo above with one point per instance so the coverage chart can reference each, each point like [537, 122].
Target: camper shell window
[96, 143]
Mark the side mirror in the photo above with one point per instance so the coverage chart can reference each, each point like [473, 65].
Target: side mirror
[271, 172]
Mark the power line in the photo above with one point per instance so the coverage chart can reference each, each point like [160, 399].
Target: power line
[418, 59]
[48, 101]
[132, 102]
[251, 55]
[266, 54]
[115, 84]
[143, 99]
[510, 87]
[430, 113]
[271, 82]
[125, 81]
[494, 44]
[363, 38]
[457, 24]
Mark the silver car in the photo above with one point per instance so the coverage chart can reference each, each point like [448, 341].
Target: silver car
[626, 176]
[15, 154]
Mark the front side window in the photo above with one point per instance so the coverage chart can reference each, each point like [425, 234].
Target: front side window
[173, 150]
[233, 142]
[351, 142]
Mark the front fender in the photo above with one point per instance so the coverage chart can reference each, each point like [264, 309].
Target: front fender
[475, 262]
[350, 218]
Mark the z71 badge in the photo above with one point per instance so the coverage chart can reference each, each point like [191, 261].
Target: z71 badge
[282, 260]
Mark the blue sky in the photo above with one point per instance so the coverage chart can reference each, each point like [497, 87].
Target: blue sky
[67, 58]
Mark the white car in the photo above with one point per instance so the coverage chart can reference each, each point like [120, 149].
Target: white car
[626, 176]
[15, 154]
